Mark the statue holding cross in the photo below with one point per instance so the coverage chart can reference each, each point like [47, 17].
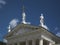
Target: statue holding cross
[24, 17]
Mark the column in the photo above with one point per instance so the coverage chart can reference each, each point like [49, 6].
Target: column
[18, 43]
[27, 42]
[7, 44]
[41, 42]
[33, 42]
[50, 43]
[13, 44]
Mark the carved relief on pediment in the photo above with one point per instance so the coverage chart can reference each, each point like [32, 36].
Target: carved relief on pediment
[22, 31]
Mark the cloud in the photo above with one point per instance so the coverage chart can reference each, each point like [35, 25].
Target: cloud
[2, 2]
[58, 34]
[4, 40]
[13, 23]
[56, 29]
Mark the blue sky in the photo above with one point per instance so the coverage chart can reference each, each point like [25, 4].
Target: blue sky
[12, 9]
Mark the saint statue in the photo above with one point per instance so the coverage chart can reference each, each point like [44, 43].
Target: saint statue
[9, 29]
[24, 17]
[42, 20]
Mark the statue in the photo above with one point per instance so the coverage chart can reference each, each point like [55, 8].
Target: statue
[42, 20]
[9, 28]
[23, 19]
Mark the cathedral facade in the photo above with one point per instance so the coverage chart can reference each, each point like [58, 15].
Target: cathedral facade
[27, 34]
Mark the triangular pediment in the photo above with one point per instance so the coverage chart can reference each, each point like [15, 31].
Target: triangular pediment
[22, 29]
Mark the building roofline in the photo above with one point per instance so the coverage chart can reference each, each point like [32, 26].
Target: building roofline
[33, 26]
